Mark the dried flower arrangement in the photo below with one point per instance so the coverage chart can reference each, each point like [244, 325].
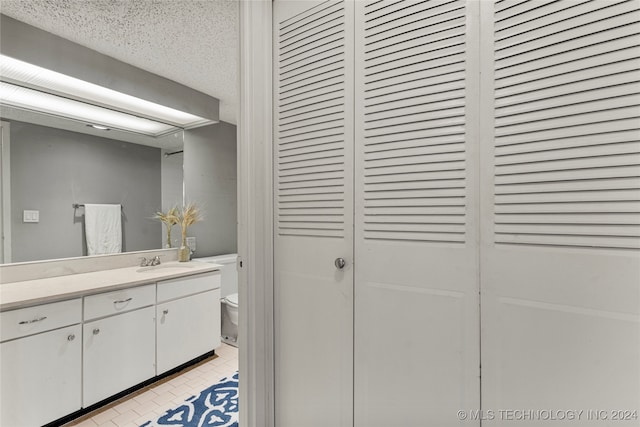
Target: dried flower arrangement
[189, 215]
[169, 219]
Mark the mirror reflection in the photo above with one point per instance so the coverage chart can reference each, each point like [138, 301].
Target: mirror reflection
[55, 173]
[51, 169]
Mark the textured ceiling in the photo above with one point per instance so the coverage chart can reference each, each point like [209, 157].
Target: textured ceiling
[193, 42]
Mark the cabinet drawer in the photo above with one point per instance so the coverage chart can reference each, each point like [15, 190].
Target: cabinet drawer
[120, 301]
[32, 320]
[183, 286]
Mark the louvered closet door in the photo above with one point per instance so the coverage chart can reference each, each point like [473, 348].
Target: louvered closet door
[313, 95]
[561, 208]
[416, 302]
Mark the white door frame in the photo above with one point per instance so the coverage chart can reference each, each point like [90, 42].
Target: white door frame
[255, 215]
[5, 194]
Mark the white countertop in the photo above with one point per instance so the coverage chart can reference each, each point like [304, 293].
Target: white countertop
[32, 292]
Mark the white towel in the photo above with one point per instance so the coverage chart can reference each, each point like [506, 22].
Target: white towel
[103, 229]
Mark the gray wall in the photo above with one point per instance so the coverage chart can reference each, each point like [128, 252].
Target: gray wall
[172, 179]
[210, 181]
[51, 169]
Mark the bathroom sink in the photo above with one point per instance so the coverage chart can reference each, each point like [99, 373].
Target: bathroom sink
[165, 268]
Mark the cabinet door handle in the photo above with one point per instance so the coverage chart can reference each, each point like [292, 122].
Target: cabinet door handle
[71, 337]
[96, 331]
[166, 311]
[123, 300]
[26, 322]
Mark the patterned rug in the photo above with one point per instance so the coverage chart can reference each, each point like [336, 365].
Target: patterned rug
[216, 406]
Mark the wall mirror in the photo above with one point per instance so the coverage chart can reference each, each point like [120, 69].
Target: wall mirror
[56, 164]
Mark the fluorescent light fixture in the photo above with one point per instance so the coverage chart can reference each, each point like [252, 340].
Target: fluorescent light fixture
[34, 100]
[35, 88]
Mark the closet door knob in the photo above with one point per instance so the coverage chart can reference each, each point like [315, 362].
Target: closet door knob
[71, 337]
[96, 331]
[340, 263]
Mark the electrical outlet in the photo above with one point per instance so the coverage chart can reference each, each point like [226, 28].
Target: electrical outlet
[191, 242]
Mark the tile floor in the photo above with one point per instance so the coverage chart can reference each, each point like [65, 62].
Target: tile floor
[152, 401]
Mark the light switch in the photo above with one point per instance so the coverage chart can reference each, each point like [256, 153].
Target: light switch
[30, 216]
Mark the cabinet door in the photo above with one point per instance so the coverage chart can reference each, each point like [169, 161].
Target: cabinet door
[187, 328]
[40, 377]
[119, 352]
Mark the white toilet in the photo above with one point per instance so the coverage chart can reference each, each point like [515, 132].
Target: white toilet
[228, 295]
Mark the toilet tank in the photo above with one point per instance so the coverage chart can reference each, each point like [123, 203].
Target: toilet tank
[229, 272]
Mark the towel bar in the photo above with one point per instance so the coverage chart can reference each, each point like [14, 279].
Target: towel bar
[81, 205]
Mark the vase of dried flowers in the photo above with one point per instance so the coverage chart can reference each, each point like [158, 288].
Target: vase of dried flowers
[169, 219]
[184, 253]
[189, 215]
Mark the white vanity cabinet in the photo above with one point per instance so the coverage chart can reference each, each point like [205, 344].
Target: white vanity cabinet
[60, 357]
[118, 341]
[40, 358]
[188, 319]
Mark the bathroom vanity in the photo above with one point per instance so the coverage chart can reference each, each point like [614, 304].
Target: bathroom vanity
[71, 341]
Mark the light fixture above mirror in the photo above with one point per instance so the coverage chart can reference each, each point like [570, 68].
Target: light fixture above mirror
[47, 74]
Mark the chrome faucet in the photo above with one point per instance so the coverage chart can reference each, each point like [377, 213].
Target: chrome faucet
[150, 262]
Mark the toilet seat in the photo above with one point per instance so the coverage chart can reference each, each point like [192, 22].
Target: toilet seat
[232, 300]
